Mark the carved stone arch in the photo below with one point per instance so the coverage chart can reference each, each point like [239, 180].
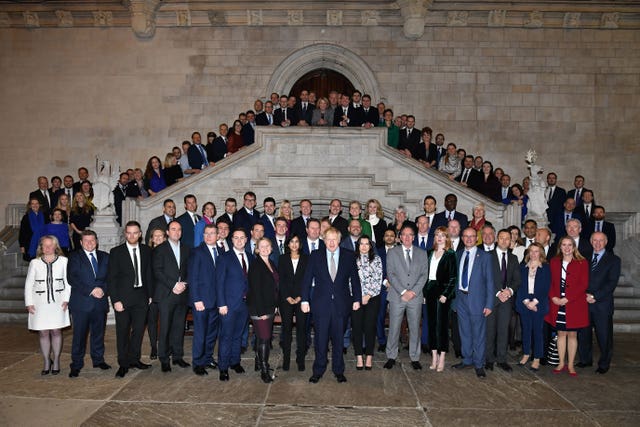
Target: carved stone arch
[324, 55]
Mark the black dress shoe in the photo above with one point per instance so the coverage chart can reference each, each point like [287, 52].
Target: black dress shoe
[301, 367]
[368, 368]
[341, 378]
[488, 366]
[102, 366]
[238, 368]
[460, 365]
[181, 363]
[390, 363]
[224, 375]
[122, 371]
[532, 369]
[139, 365]
[165, 367]
[199, 370]
[602, 370]
[382, 348]
[55, 371]
[583, 365]
[212, 365]
[505, 366]
[314, 379]
[45, 372]
[153, 355]
[424, 348]
[416, 365]
[480, 373]
[74, 373]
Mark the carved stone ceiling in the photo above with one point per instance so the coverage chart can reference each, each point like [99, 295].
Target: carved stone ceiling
[143, 16]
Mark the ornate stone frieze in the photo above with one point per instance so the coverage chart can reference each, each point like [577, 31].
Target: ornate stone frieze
[217, 17]
[143, 17]
[254, 17]
[610, 20]
[183, 18]
[534, 19]
[497, 18]
[334, 17]
[369, 17]
[457, 18]
[571, 20]
[31, 19]
[65, 18]
[414, 13]
[295, 17]
[102, 18]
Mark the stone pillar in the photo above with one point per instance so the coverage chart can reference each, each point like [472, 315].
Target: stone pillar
[143, 17]
[414, 12]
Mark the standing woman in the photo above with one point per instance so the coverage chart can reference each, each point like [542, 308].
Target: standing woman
[262, 301]
[154, 176]
[172, 170]
[57, 227]
[363, 321]
[286, 211]
[31, 230]
[393, 131]
[375, 217]
[450, 163]
[438, 293]
[490, 186]
[64, 204]
[518, 197]
[80, 218]
[208, 217]
[291, 266]
[568, 310]
[157, 237]
[532, 302]
[46, 295]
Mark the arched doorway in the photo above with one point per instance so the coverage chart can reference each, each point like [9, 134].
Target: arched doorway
[322, 81]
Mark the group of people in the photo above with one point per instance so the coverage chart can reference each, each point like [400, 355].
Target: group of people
[452, 279]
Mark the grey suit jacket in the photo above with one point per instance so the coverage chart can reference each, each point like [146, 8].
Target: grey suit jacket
[401, 277]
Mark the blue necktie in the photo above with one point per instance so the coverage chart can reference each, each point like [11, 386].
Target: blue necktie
[423, 245]
[465, 271]
[94, 263]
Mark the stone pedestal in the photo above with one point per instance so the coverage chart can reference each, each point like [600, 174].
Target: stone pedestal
[109, 235]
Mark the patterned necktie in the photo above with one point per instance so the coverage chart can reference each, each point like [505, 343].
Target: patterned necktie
[94, 263]
[281, 247]
[244, 264]
[333, 270]
[408, 257]
[594, 261]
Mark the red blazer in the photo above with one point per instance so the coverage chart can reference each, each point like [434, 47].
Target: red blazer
[577, 282]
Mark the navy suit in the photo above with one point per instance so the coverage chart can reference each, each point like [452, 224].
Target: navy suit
[608, 228]
[269, 228]
[217, 149]
[202, 288]
[533, 321]
[243, 219]
[196, 158]
[89, 313]
[231, 292]
[572, 194]
[305, 246]
[558, 225]
[603, 280]
[188, 228]
[331, 305]
[470, 305]
[248, 134]
[299, 228]
[353, 114]
[440, 220]
[555, 204]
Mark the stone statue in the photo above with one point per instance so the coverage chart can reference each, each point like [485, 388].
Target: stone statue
[105, 181]
[537, 205]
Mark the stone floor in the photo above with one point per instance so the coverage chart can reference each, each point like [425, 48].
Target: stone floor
[400, 396]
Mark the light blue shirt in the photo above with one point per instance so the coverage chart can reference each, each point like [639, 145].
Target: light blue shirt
[337, 257]
[472, 257]
[175, 247]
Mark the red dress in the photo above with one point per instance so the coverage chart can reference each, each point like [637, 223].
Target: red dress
[235, 142]
[577, 281]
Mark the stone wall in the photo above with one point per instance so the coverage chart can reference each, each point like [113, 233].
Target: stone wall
[70, 94]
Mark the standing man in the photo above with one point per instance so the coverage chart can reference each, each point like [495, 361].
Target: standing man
[506, 274]
[247, 215]
[474, 301]
[335, 217]
[170, 272]
[88, 305]
[189, 219]
[449, 214]
[130, 287]
[202, 297]
[231, 295]
[407, 272]
[161, 222]
[268, 219]
[196, 154]
[335, 293]
[299, 224]
[605, 273]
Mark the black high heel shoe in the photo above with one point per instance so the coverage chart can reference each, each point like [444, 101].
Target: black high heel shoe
[54, 371]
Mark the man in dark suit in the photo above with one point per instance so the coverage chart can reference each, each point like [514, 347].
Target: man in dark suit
[407, 270]
[436, 152]
[170, 260]
[285, 116]
[409, 137]
[578, 190]
[189, 219]
[231, 296]
[67, 188]
[350, 240]
[247, 215]
[197, 154]
[474, 301]
[555, 196]
[202, 297]
[88, 305]
[266, 118]
[312, 241]
[389, 243]
[368, 115]
[130, 285]
[268, 218]
[299, 224]
[506, 275]
[248, 129]
[470, 177]
[335, 217]
[603, 279]
[217, 150]
[559, 223]
[345, 114]
[161, 222]
[442, 219]
[505, 189]
[121, 191]
[336, 291]
[573, 230]
[83, 175]
[304, 110]
[44, 196]
[598, 223]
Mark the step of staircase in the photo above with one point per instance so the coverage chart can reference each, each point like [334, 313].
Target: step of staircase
[629, 327]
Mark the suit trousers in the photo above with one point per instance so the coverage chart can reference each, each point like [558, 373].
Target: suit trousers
[329, 326]
[363, 323]
[602, 321]
[397, 310]
[92, 322]
[424, 334]
[438, 323]
[171, 339]
[231, 328]
[532, 328]
[382, 315]
[152, 326]
[473, 334]
[129, 333]
[498, 332]
[455, 333]
[287, 311]
[205, 334]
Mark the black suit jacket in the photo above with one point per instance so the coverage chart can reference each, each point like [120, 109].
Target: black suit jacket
[440, 219]
[341, 224]
[195, 157]
[167, 272]
[432, 155]
[216, 150]
[556, 203]
[474, 181]
[121, 276]
[290, 282]
[243, 219]
[572, 194]
[262, 297]
[603, 280]
[370, 116]
[304, 115]
[409, 142]
[298, 228]
[353, 115]
[513, 274]
[262, 120]
[608, 228]
[278, 116]
[248, 134]
[157, 222]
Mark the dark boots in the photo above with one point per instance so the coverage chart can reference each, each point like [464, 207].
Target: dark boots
[263, 359]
